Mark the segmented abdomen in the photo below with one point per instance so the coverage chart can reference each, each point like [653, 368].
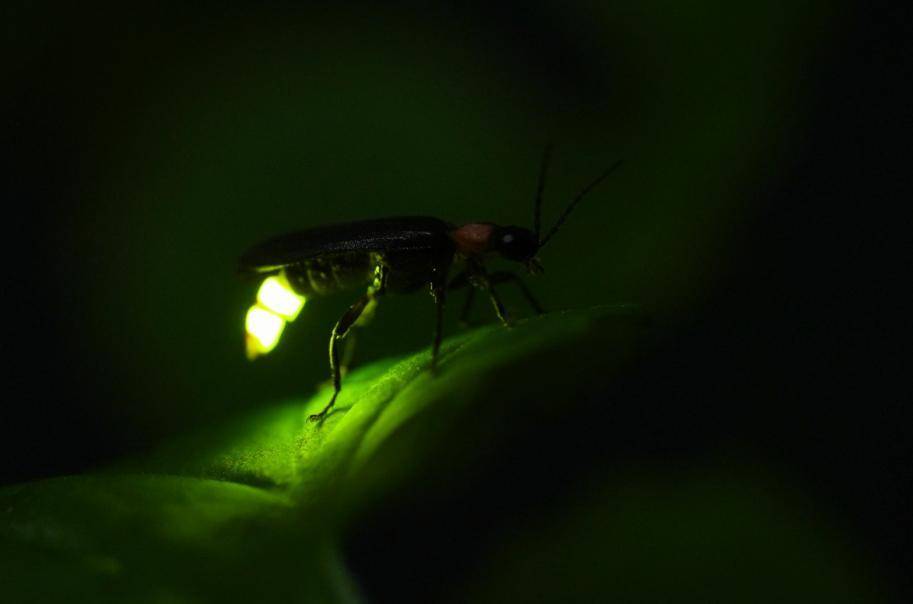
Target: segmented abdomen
[332, 272]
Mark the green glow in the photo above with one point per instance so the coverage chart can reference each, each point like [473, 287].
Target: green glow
[276, 295]
[264, 328]
[276, 304]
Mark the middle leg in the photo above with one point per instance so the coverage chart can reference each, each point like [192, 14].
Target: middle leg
[476, 277]
[505, 276]
[460, 281]
[440, 299]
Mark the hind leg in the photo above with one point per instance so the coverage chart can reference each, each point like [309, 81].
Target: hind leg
[339, 332]
[351, 339]
[364, 304]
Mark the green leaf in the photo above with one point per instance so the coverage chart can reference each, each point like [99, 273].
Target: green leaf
[255, 508]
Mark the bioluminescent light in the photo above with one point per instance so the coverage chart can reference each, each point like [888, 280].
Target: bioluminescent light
[264, 328]
[276, 295]
[277, 303]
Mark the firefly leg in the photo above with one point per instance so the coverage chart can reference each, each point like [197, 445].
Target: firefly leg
[339, 332]
[482, 280]
[458, 282]
[440, 298]
[499, 307]
[479, 278]
[505, 276]
[467, 306]
[351, 339]
[348, 351]
[350, 318]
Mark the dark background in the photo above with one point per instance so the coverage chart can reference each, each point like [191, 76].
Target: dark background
[766, 148]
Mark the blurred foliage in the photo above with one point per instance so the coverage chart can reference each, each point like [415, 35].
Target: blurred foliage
[256, 508]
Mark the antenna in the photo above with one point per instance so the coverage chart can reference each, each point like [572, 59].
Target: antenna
[543, 169]
[577, 200]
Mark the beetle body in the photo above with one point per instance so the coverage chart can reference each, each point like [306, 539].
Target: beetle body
[390, 255]
[413, 252]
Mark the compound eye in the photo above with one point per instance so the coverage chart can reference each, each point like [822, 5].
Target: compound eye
[516, 244]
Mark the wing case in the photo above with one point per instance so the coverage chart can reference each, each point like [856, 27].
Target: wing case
[399, 234]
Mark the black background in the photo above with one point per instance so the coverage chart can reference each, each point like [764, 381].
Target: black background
[799, 346]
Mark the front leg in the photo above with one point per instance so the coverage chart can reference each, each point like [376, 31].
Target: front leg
[440, 299]
[476, 276]
[499, 306]
[481, 277]
[460, 281]
[505, 276]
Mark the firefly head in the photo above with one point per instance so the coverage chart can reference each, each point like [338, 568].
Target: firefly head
[515, 243]
[518, 244]
[522, 245]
